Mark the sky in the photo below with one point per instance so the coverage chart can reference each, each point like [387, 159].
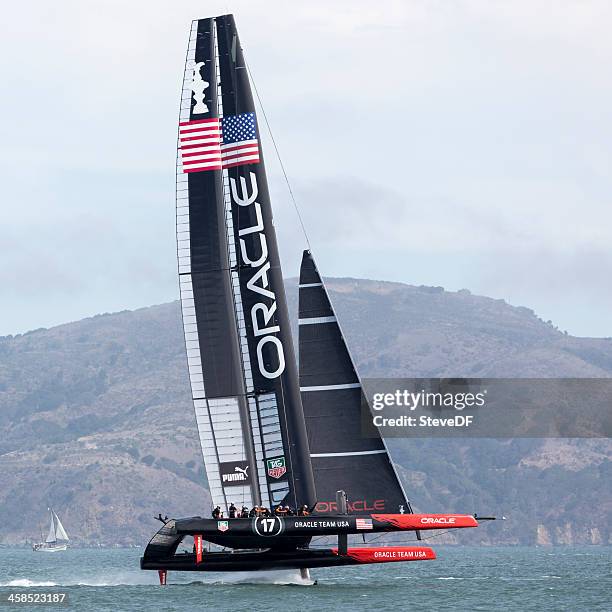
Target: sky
[466, 144]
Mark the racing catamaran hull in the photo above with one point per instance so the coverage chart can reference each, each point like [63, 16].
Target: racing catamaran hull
[282, 542]
[261, 560]
[274, 530]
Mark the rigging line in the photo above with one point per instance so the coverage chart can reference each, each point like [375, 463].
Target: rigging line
[278, 155]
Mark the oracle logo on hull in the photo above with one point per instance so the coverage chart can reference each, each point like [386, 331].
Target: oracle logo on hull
[359, 505]
[441, 520]
[261, 314]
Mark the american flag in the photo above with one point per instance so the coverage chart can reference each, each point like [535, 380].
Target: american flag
[239, 144]
[363, 523]
[213, 144]
[200, 145]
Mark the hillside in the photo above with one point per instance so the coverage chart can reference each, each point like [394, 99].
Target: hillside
[95, 418]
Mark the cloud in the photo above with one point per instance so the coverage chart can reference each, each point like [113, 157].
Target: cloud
[427, 142]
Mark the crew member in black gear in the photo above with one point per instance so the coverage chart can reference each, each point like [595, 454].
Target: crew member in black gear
[232, 510]
[216, 513]
[245, 512]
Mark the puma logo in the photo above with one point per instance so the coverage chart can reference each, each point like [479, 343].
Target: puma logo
[233, 474]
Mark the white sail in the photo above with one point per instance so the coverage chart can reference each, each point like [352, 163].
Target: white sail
[51, 535]
[60, 532]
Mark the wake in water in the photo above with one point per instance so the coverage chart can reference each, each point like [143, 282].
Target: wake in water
[104, 580]
[282, 577]
[279, 577]
[26, 583]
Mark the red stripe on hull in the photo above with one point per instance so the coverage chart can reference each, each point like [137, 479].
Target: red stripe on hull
[389, 554]
[427, 521]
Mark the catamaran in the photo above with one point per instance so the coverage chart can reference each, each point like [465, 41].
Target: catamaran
[57, 538]
[269, 435]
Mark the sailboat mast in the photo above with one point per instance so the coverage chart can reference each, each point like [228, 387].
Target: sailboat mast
[247, 428]
[259, 277]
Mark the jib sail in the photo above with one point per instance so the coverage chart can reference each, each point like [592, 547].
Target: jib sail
[332, 397]
[240, 354]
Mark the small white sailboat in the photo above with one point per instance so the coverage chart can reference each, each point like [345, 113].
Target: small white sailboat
[57, 538]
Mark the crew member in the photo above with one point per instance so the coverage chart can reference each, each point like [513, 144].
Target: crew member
[245, 512]
[232, 510]
[216, 513]
[280, 510]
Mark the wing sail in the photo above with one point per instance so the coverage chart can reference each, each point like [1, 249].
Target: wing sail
[241, 362]
[332, 397]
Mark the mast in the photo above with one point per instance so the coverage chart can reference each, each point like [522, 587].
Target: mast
[240, 355]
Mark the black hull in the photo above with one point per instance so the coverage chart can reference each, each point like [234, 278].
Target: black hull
[284, 538]
[278, 560]
[282, 543]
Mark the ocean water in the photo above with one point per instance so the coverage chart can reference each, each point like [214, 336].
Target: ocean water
[462, 578]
